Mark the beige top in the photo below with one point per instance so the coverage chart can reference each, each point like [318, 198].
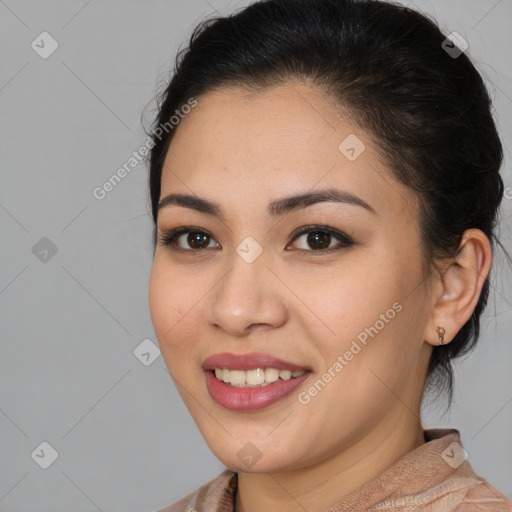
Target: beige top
[435, 477]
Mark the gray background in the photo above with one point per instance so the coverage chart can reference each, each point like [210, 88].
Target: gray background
[70, 323]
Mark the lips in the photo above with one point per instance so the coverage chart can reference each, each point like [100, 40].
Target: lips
[249, 362]
[245, 397]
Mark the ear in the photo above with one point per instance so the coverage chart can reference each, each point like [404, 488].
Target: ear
[458, 287]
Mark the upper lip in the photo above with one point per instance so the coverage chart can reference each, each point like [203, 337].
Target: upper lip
[249, 362]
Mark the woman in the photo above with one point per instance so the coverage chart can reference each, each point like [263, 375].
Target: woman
[324, 184]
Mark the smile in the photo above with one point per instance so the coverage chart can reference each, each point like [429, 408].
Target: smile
[254, 378]
[249, 382]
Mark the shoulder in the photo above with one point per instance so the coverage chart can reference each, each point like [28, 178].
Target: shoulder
[463, 490]
[459, 488]
[477, 494]
[215, 496]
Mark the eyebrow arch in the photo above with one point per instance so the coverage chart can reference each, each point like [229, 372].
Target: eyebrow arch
[276, 208]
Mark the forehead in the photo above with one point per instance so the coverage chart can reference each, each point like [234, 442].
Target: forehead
[272, 120]
[243, 143]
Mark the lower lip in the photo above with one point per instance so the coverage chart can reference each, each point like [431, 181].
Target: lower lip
[251, 399]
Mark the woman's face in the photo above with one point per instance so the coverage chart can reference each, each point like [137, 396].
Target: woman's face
[349, 307]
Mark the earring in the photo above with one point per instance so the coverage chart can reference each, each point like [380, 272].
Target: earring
[441, 331]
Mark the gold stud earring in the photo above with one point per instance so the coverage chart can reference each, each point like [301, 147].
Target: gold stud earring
[441, 331]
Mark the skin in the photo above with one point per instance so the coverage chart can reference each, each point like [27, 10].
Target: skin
[243, 149]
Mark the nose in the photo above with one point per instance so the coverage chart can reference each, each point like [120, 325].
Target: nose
[248, 297]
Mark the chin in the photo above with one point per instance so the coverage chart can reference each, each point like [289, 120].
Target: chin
[261, 465]
[246, 456]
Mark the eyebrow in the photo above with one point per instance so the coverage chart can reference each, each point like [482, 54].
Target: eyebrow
[276, 208]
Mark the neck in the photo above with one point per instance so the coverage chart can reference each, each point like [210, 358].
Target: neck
[319, 486]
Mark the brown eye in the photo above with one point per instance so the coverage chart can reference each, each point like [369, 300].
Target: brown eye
[192, 239]
[197, 240]
[320, 238]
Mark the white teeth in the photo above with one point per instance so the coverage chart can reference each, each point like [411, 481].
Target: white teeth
[237, 377]
[271, 375]
[254, 378]
[285, 374]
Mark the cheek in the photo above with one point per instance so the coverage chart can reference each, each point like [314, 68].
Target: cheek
[161, 305]
[366, 318]
[346, 303]
[173, 304]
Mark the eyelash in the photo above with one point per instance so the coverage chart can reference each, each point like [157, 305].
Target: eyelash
[168, 237]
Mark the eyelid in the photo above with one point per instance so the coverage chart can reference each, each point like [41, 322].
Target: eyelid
[167, 237]
[342, 237]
